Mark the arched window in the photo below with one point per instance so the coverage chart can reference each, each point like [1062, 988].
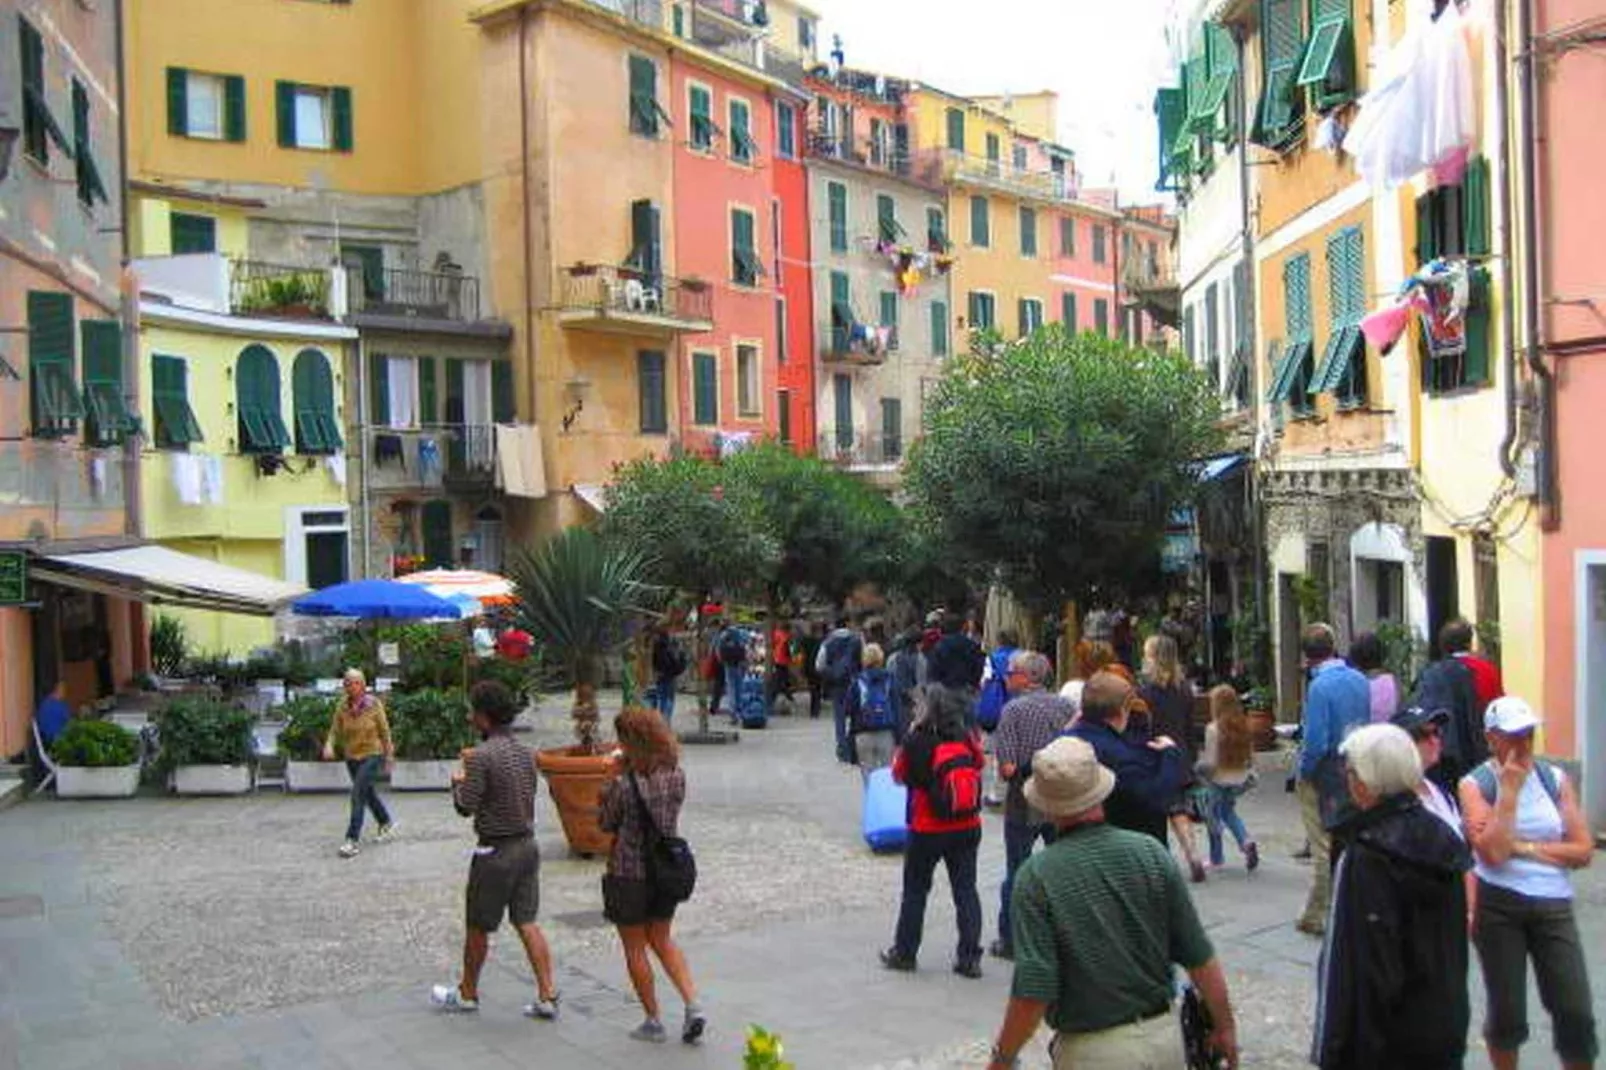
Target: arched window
[313, 387]
[256, 402]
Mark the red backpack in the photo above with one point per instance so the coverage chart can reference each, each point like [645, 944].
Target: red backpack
[955, 787]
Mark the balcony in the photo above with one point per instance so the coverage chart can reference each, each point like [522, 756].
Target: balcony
[861, 450]
[414, 294]
[58, 490]
[881, 157]
[257, 288]
[454, 457]
[1152, 286]
[733, 28]
[949, 166]
[858, 344]
[600, 297]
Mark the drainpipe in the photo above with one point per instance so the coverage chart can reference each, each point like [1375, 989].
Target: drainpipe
[524, 212]
[128, 289]
[1508, 283]
[1549, 499]
[365, 451]
[1248, 320]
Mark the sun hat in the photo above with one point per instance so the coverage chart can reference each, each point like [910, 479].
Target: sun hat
[1510, 715]
[1067, 778]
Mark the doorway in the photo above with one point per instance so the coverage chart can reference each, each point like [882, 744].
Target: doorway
[1589, 689]
[1443, 588]
[1290, 659]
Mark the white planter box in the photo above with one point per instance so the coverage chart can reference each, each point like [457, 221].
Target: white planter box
[422, 776]
[212, 779]
[316, 776]
[114, 782]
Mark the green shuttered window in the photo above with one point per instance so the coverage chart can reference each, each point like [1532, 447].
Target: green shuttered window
[743, 147]
[956, 129]
[313, 399]
[703, 127]
[504, 406]
[841, 312]
[1068, 311]
[842, 388]
[891, 429]
[745, 265]
[314, 117]
[1101, 316]
[1342, 370]
[653, 392]
[705, 389]
[1291, 378]
[192, 233]
[258, 411]
[836, 195]
[108, 419]
[982, 309]
[1028, 231]
[1279, 119]
[936, 230]
[173, 420]
[939, 329]
[1453, 221]
[980, 223]
[646, 114]
[55, 403]
[886, 213]
[1326, 67]
[39, 126]
[90, 186]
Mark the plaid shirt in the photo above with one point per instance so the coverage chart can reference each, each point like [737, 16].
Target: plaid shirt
[664, 790]
[1030, 721]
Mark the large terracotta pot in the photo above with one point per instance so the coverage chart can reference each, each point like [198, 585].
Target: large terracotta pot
[576, 781]
[1263, 728]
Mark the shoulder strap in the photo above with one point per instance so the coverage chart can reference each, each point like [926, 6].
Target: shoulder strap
[1487, 787]
[641, 803]
[1548, 780]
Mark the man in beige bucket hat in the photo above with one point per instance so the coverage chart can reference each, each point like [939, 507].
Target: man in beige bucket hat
[1077, 912]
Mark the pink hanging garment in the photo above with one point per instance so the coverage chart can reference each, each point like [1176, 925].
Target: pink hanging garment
[1384, 327]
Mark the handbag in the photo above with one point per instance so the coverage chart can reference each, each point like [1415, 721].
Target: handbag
[1196, 1026]
[671, 868]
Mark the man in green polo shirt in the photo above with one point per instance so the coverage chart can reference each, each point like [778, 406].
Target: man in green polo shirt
[1099, 918]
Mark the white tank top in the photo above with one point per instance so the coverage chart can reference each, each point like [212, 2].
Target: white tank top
[1539, 821]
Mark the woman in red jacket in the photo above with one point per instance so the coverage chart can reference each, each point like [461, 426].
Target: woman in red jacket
[941, 761]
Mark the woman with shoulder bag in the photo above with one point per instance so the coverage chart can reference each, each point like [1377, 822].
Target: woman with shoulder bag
[641, 807]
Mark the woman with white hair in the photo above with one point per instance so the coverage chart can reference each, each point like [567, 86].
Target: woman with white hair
[362, 732]
[1392, 983]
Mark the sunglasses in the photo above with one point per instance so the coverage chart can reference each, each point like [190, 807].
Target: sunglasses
[1430, 731]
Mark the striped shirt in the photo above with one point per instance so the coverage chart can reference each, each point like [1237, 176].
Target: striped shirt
[1098, 918]
[664, 791]
[498, 788]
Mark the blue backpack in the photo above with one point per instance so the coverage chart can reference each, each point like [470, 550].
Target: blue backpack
[875, 705]
[995, 692]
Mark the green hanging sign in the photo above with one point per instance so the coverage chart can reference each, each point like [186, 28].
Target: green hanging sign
[13, 577]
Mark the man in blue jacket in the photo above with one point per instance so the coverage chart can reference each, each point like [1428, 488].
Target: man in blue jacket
[1337, 700]
[1147, 775]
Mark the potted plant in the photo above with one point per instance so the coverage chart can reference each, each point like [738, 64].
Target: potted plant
[206, 746]
[306, 726]
[429, 728]
[577, 592]
[96, 760]
[1261, 706]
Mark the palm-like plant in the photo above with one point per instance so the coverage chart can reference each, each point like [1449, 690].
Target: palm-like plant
[577, 593]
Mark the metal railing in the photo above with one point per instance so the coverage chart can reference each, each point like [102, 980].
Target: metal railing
[860, 449]
[258, 288]
[951, 165]
[626, 292]
[429, 294]
[429, 455]
[1143, 273]
[67, 490]
[858, 344]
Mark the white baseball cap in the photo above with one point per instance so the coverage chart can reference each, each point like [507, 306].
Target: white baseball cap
[1510, 715]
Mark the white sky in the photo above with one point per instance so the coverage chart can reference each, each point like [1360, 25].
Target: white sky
[1105, 58]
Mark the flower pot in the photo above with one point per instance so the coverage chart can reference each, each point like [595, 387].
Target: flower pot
[433, 775]
[83, 782]
[316, 776]
[576, 781]
[1263, 729]
[212, 779]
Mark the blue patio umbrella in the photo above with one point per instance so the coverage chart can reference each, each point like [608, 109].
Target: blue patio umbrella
[377, 599]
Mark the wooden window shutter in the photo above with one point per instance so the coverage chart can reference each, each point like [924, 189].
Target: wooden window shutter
[234, 108]
[1476, 206]
[456, 414]
[173, 422]
[284, 96]
[428, 393]
[650, 383]
[340, 102]
[705, 385]
[646, 242]
[1476, 366]
[887, 218]
[837, 195]
[107, 410]
[980, 224]
[1028, 231]
[504, 407]
[956, 130]
[378, 390]
[1068, 311]
[178, 102]
[1426, 247]
[973, 310]
[435, 522]
[939, 329]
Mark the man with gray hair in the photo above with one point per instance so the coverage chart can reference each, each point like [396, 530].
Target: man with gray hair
[1030, 721]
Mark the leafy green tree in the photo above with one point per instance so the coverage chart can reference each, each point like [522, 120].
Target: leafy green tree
[1053, 464]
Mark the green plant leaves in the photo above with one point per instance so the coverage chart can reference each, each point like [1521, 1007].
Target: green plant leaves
[430, 725]
[307, 722]
[95, 745]
[195, 730]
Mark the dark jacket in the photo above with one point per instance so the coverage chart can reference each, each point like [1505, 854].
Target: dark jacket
[1146, 781]
[1392, 986]
[668, 659]
[1171, 714]
[956, 662]
[1447, 684]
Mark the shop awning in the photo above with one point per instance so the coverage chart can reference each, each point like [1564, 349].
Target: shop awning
[1218, 467]
[593, 494]
[159, 576]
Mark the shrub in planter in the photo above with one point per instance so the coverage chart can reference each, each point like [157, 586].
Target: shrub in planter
[170, 645]
[301, 743]
[96, 760]
[199, 731]
[429, 728]
[519, 677]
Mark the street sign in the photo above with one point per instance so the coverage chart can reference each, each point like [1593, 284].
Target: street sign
[13, 577]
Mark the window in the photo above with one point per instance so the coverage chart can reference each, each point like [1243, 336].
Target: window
[646, 114]
[192, 233]
[879, 149]
[994, 147]
[314, 117]
[781, 339]
[52, 383]
[1190, 344]
[646, 241]
[745, 265]
[886, 213]
[939, 329]
[39, 126]
[174, 421]
[703, 127]
[1170, 112]
[369, 263]
[777, 246]
[206, 106]
[956, 129]
[842, 388]
[749, 381]
[841, 312]
[1327, 67]
[1030, 315]
[1290, 380]
[805, 35]
[836, 196]
[1342, 371]
[654, 392]
[678, 20]
[982, 311]
[504, 407]
[107, 418]
[1068, 237]
[783, 416]
[1068, 311]
[1099, 255]
[980, 224]
[1451, 221]
[1239, 383]
[743, 147]
[1212, 346]
[401, 391]
[1279, 119]
[889, 315]
[1101, 316]
[260, 420]
[436, 521]
[891, 429]
[936, 230]
[90, 186]
[705, 389]
[1028, 231]
[785, 130]
[313, 399]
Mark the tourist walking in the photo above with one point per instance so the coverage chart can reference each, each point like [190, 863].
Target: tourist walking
[907, 667]
[782, 655]
[496, 787]
[361, 733]
[956, 661]
[1528, 835]
[1392, 981]
[809, 651]
[1426, 730]
[1147, 774]
[1337, 700]
[1227, 767]
[668, 663]
[1031, 720]
[837, 662]
[1450, 683]
[872, 715]
[1100, 916]
[640, 806]
[731, 650]
[1366, 655]
[940, 762]
[1169, 697]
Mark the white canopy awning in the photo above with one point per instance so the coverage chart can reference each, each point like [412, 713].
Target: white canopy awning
[160, 576]
[593, 494]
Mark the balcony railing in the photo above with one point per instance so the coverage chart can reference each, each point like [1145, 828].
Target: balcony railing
[860, 449]
[884, 156]
[951, 166]
[858, 344]
[1142, 273]
[426, 294]
[631, 301]
[257, 288]
[430, 455]
[60, 489]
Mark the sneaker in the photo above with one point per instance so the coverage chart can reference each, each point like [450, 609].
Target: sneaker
[970, 969]
[1251, 857]
[349, 849]
[651, 1030]
[386, 833]
[893, 959]
[451, 998]
[543, 1009]
[1001, 949]
[1197, 871]
[696, 1022]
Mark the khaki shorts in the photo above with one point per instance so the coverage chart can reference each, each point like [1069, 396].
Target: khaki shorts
[504, 878]
[1152, 1044]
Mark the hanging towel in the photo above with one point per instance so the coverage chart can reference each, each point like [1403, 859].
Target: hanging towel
[336, 463]
[186, 475]
[477, 416]
[211, 478]
[97, 477]
[520, 467]
[429, 460]
[401, 379]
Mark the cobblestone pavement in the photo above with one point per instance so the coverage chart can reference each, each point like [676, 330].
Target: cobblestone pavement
[162, 932]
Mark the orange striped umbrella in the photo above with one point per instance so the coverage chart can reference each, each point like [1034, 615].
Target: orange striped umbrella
[453, 583]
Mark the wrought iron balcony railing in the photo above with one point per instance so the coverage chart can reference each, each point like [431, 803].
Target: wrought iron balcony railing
[401, 292]
[614, 298]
